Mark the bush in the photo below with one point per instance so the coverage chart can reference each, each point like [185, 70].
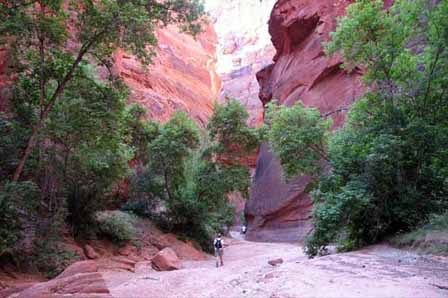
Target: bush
[116, 225]
[17, 201]
[51, 259]
[431, 237]
[184, 186]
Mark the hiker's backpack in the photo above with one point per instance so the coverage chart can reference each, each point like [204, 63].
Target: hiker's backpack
[218, 244]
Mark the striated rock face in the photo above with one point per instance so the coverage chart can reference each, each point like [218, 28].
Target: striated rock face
[279, 211]
[244, 47]
[81, 279]
[182, 77]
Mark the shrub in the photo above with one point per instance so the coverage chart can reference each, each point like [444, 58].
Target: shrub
[431, 237]
[17, 201]
[50, 258]
[117, 225]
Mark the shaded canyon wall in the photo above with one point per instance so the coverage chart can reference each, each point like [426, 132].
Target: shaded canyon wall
[280, 211]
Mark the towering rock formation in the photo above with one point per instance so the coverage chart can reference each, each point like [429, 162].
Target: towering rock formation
[182, 77]
[279, 211]
[244, 47]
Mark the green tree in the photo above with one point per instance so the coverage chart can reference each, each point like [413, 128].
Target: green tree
[192, 180]
[229, 133]
[49, 40]
[387, 165]
[18, 200]
[387, 174]
[298, 136]
[90, 154]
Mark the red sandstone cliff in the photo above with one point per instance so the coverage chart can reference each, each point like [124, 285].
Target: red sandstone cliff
[182, 77]
[278, 211]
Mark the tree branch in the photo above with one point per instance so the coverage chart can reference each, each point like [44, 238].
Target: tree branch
[59, 90]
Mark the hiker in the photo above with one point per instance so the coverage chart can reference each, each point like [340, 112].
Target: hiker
[218, 244]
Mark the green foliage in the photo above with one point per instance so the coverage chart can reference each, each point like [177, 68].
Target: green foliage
[38, 35]
[50, 258]
[101, 27]
[431, 237]
[229, 132]
[169, 151]
[139, 132]
[389, 160]
[438, 222]
[67, 128]
[18, 201]
[13, 137]
[184, 186]
[298, 136]
[117, 225]
[90, 154]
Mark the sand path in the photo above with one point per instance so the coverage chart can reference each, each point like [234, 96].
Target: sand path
[378, 271]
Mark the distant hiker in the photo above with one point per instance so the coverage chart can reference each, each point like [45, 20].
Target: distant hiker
[243, 229]
[218, 244]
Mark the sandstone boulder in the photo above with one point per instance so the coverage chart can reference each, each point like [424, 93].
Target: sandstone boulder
[80, 285]
[126, 250]
[90, 252]
[275, 262]
[166, 260]
[79, 268]
[184, 250]
[81, 279]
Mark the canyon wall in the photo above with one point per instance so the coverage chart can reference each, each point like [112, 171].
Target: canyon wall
[280, 211]
[244, 48]
[183, 75]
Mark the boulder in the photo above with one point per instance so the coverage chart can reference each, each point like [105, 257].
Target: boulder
[90, 252]
[126, 250]
[117, 263]
[81, 279]
[166, 260]
[80, 285]
[79, 268]
[184, 250]
[275, 262]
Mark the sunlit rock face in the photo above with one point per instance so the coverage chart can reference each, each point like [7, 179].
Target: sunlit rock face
[244, 47]
[183, 75]
[182, 78]
[280, 211]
